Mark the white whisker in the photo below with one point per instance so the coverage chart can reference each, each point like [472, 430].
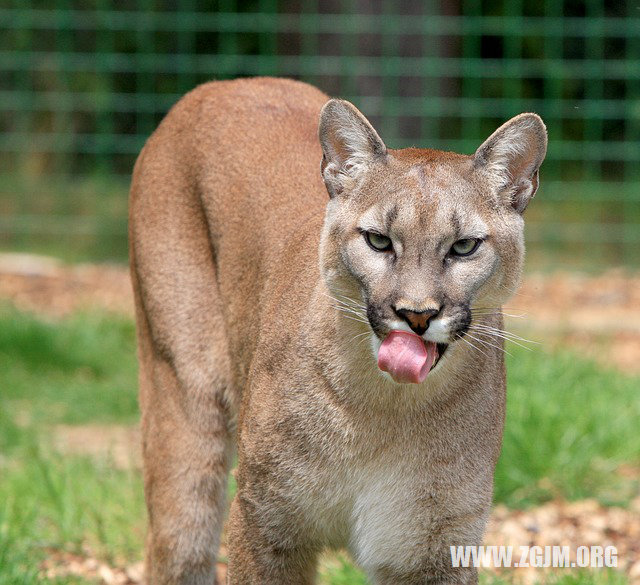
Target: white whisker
[483, 341]
[348, 310]
[344, 295]
[504, 333]
[498, 311]
[347, 316]
[510, 339]
[472, 345]
[363, 334]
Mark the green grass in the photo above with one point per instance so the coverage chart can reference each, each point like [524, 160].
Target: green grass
[53, 502]
[337, 569]
[569, 425]
[79, 370]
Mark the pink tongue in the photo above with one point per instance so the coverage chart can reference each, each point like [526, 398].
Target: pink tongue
[406, 356]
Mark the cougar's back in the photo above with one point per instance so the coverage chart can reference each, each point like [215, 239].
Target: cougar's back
[235, 166]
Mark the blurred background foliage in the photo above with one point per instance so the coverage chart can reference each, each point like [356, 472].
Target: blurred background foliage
[84, 82]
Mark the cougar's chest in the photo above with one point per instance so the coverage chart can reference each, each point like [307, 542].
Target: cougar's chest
[369, 504]
[390, 496]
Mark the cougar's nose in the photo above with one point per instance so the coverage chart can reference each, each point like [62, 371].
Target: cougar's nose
[417, 320]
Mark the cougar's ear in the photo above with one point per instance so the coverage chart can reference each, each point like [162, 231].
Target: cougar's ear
[511, 157]
[349, 144]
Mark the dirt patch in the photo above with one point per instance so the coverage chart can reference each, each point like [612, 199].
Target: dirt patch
[45, 285]
[60, 564]
[572, 524]
[598, 316]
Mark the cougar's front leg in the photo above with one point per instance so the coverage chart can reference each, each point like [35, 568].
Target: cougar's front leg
[255, 560]
[430, 562]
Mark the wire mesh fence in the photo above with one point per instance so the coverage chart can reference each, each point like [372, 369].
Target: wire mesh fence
[83, 84]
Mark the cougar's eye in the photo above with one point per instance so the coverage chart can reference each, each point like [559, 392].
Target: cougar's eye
[465, 247]
[378, 242]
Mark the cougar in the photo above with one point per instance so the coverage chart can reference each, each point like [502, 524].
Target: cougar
[330, 310]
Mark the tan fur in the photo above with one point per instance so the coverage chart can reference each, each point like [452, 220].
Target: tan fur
[252, 289]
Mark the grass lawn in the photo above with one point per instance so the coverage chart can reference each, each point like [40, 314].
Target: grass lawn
[570, 424]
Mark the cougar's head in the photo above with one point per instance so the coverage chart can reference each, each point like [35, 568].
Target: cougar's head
[417, 242]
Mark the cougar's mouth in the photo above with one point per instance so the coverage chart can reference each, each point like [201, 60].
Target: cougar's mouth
[407, 357]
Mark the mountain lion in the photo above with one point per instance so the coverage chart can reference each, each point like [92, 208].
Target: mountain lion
[331, 307]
